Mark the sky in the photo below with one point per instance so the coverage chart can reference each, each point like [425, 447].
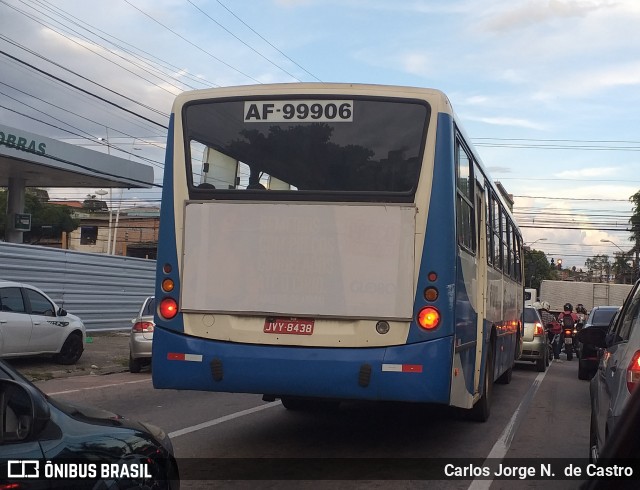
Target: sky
[548, 90]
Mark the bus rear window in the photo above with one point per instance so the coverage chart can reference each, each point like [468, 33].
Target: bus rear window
[343, 146]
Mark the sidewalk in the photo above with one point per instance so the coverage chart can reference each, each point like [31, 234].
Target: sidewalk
[104, 353]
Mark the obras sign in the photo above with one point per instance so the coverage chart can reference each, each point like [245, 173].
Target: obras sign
[22, 143]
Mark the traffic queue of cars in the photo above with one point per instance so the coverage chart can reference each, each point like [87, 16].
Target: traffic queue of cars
[618, 369]
[32, 324]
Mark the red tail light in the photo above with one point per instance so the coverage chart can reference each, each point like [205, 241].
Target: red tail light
[168, 308]
[567, 333]
[141, 327]
[429, 318]
[538, 329]
[633, 372]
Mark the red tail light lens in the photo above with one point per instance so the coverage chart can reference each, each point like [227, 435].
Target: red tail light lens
[141, 327]
[168, 308]
[538, 329]
[633, 372]
[567, 333]
[429, 318]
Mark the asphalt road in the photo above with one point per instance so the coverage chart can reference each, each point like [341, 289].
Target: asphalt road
[535, 418]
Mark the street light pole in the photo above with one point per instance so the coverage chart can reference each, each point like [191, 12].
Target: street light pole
[624, 253]
[535, 241]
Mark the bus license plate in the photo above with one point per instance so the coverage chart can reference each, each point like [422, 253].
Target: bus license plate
[291, 326]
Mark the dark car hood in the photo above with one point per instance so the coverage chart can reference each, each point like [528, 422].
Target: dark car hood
[99, 416]
[93, 418]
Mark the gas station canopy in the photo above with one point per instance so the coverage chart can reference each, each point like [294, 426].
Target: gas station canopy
[38, 161]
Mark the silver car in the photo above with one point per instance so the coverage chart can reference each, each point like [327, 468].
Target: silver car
[618, 373]
[32, 324]
[535, 347]
[141, 337]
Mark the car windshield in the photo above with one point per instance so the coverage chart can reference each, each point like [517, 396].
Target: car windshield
[530, 315]
[603, 316]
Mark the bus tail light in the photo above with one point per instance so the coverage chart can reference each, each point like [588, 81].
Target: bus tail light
[429, 317]
[633, 372]
[168, 308]
[167, 285]
[431, 294]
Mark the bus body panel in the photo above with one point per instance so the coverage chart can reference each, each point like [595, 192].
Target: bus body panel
[299, 259]
[403, 373]
[443, 365]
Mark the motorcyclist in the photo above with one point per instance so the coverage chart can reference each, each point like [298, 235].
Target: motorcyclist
[567, 319]
[581, 311]
[551, 325]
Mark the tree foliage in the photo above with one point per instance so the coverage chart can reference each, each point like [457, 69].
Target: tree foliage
[46, 219]
[598, 268]
[536, 268]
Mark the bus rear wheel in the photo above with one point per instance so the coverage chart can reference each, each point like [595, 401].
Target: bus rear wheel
[482, 409]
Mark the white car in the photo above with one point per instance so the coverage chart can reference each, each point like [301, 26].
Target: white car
[31, 324]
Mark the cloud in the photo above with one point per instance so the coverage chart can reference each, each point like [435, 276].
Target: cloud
[508, 121]
[602, 78]
[589, 172]
[499, 170]
[416, 64]
[537, 12]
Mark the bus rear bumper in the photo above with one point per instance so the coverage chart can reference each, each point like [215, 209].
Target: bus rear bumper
[418, 372]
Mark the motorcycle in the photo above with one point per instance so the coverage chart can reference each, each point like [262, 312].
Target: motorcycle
[554, 339]
[568, 339]
[582, 319]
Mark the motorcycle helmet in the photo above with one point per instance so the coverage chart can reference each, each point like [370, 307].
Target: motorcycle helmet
[580, 308]
[568, 307]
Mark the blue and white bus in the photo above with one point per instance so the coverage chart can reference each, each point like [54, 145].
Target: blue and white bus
[326, 242]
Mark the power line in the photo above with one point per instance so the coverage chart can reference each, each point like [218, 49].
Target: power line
[149, 59]
[243, 42]
[152, 109]
[191, 43]
[49, 26]
[559, 140]
[572, 179]
[83, 90]
[571, 198]
[267, 41]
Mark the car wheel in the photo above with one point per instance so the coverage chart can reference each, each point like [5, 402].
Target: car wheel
[548, 356]
[583, 370]
[135, 365]
[593, 443]
[71, 350]
[541, 364]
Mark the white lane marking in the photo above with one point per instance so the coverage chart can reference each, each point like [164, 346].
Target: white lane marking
[226, 418]
[501, 446]
[77, 390]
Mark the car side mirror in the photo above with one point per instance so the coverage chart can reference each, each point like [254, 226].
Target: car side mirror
[24, 411]
[62, 312]
[593, 336]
